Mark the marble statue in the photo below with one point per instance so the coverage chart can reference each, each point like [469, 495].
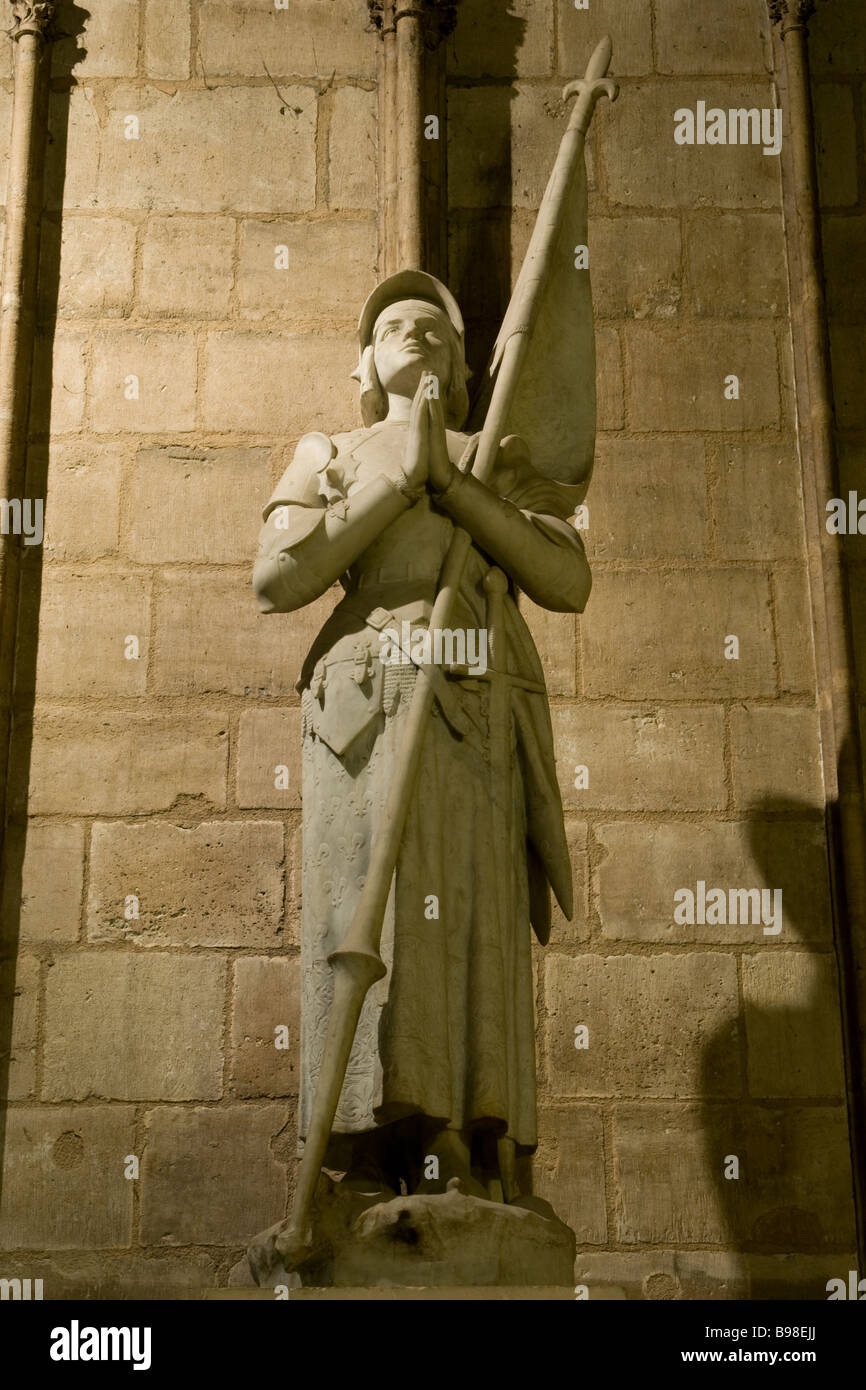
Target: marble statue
[444, 1057]
[432, 821]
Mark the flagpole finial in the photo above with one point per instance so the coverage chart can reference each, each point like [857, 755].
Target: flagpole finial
[594, 84]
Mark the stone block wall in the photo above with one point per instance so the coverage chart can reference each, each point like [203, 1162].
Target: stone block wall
[839, 94]
[211, 233]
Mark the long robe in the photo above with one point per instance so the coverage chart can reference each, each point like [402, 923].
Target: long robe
[448, 1033]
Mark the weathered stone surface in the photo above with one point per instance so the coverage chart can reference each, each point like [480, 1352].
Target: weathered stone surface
[648, 501]
[186, 156]
[64, 1187]
[22, 1045]
[517, 44]
[736, 265]
[164, 365]
[278, 383]
[122, 1027]
[666, 1188]
[858, 616]
[219, 884]
[791, 1191]
[268, 741]
[113, 764]
[609, 379]
[214, 638]
[195, 505]
[630, 28]
[107, 45]
[664, 1275]
[51, 883]
[502, 143]
[678, 379]
[568, 1169]
[852, 478]
[793, 618]
[844, 247]
[641, 759]
[167, 38]
[796, 1276]
[266, 998]
[710, 1275]
[314, 41]
[125, 1277]
[352, 149]
[758, 505]
[733, 37]
[776, 756]
[72, 157]
[58, 383]
[635, 265]
[642, 866]
[294, 879]
[308, 286]
[797, 1192]
[186, 267]
[555, 640]
[666, 636]
[85, 622]
[848, 355]
[836, 145]
[647, 169]
[837, 41]
[96, 266]
[208, 1177]
[650, 1020]
[82, 505]
[442, 1293]
[792, 1025]
[577, 929]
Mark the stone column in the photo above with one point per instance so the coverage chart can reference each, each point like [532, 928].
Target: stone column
[831, 622]
[32, 33]
[412, 134]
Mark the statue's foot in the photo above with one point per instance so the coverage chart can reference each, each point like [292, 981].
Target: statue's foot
[368, 1179]
[460, 1182]
[536, 1204]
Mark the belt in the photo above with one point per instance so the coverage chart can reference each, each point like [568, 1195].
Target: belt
[378, 619]
[389, 574]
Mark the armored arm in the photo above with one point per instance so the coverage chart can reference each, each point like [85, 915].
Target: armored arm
[541, 552]
[306, 544]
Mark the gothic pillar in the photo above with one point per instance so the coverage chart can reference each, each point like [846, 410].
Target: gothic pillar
[32, 34]
[834, 646]
[412, 135]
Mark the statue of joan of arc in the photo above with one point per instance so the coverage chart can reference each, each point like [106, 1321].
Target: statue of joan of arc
[443, 1058]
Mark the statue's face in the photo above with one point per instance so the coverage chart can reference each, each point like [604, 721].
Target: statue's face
[409, 339]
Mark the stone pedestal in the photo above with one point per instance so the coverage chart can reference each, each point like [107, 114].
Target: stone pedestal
[449, 1239]
[442, 1294]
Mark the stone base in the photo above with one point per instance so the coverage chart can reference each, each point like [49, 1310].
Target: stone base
[441, 1294]
[449, 1239]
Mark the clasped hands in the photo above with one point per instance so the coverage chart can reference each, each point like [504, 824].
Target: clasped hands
[427, 462]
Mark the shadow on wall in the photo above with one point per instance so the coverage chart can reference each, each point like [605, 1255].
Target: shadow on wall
[779, 1159]
[66, 54]
[480, 172]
